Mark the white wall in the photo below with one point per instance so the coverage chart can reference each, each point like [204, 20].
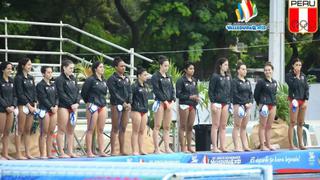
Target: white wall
[313, 111]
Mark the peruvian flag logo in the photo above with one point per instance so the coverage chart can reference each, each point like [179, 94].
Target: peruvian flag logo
[303, 16]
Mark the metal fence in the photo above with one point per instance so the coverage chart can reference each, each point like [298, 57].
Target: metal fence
[61, 39]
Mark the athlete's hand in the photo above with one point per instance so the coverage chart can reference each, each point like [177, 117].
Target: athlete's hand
[74, 107]
[32, 109]
[305, 104]
[248, 105]
[10, 109]
[54, 109]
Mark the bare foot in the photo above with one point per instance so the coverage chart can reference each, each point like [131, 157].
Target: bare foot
[224, 150]
[191, 150]
[19, 157]
[157, 152]
[247, 149]
[270, 147]
[264, 148]
[103, 154]
[43, 157]
[143, 153]
[184, 149]
[237, 150]
[135, 154]
[8, 157]
[3, 158]
[73, 155]
[124, 154]
[30, 157]
[52, 157]
[168, 150]
[91, 155]
[303, 147]
[115, 154]
[64, 156]
[215, 150]
[293, 148]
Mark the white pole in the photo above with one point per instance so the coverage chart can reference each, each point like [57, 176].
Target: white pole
[277, 38]
[6, 39]
[61, 40]
[131, 64]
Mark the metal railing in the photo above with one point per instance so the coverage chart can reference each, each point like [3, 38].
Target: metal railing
[61, 39]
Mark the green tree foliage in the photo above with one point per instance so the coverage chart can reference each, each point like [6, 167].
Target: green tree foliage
[283, 103]
[197, 27]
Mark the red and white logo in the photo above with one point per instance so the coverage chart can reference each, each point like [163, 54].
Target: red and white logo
[205, 159]
[303, 16]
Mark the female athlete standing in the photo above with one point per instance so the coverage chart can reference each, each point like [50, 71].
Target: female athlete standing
[48, 105]
[69, 98]
[94, 92]
[8, 103]
[26, 94]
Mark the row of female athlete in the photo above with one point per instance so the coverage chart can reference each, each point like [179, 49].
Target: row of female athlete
[57, 103]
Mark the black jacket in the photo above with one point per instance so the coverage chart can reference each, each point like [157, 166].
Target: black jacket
[298, 88]
[7, 94]
[162, 87]
[25, 89]
[185, 89]
[68, 91]
[47, 95]
[241, 91]
[120, 89]
[265, 92]
[220, 89]
[139, 97]
[94, 91]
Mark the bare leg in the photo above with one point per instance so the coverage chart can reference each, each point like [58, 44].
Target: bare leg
[182, 128]
[91, 124]
[136, 121]
[70, 139]
[3, 118]
[166, 129]
[63, 118]
[20, 131]
[301, 116]
[189, 124]
[44, 126]
[262, 127]
[222, 128]
[142, 128]
[157, 124]
[215, 116]
[293, 120]
[5, 137]
[122, 132]
[101, 123]
[269, 127]
[114, 130]
[243, 131]
[27, 134]
[52, 126]
[236, 128]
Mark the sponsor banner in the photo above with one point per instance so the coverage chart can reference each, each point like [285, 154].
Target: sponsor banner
[282, 161]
